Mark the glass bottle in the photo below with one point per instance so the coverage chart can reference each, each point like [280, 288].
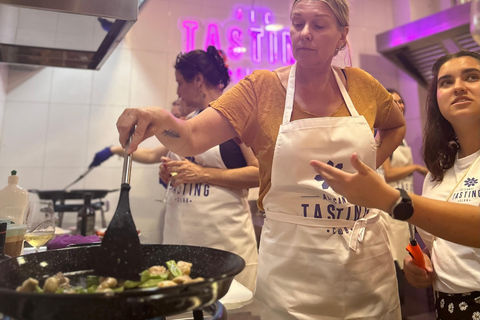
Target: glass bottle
[86, 217]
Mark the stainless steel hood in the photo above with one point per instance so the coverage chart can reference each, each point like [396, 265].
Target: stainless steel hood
[414, 47]
[107, 22]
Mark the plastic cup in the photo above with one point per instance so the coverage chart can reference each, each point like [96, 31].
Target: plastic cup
[14, 240]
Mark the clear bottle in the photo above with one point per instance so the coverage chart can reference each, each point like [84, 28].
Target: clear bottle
[86, 217]
[13, 200]
[3, 238]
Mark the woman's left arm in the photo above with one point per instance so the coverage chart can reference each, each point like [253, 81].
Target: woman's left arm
[238, 178]
[390, 134]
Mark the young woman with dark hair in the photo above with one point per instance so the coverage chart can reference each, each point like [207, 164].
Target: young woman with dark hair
[449, 208]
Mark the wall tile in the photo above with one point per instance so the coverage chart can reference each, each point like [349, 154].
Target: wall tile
[111, 84]
[71, 85]
[150, 32]
[29, 83]
[67, 135]
[180, 11]
[3, 94]
[148, 78]
[24, 134]
[102, 132]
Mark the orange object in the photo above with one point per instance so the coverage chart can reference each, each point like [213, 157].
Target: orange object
[414, 250]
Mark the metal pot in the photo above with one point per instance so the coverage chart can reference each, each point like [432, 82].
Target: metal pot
[216, 266]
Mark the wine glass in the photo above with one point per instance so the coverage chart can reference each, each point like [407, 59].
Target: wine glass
[40, 223]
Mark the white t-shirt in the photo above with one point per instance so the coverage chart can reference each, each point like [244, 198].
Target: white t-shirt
[457, 267]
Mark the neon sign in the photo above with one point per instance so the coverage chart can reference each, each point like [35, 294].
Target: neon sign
[250, 38]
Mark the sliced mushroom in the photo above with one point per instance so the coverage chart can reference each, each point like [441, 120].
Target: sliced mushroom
[28, 285]
[157, 270]
[185, 267]
[51, 285]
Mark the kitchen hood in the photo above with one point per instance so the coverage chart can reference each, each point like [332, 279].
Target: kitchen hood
[67, 33]
[415, 46]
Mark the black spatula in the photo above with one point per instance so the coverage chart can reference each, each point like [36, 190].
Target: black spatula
[121, 250]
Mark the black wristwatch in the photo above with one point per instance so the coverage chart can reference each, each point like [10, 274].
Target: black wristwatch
[403, 208]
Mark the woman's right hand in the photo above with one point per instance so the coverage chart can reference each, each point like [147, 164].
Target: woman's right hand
[146, 121]
[416, 276]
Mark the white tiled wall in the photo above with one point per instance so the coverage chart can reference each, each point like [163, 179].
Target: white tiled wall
[57, 119]
[3, 93]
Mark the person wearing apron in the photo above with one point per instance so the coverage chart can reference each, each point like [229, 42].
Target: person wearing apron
[320, 256]
[341, 243]
[209, 215]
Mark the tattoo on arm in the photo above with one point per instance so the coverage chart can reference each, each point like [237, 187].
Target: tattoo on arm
[171, 133]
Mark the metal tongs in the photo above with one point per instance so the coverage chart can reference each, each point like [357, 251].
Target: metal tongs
[414, 249]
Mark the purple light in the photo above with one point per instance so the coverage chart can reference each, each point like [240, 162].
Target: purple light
[189, 26]
[252, 16]
[267, 43]
[273, 42]
[236, 48]
[212, 37]
[257, 35]
[267, 17]
[287, 57]
[239, 14]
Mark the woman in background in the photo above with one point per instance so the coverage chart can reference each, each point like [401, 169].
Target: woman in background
[207, 195]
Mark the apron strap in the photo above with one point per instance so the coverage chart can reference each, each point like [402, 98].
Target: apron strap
[358, 227]
[348, 102]
[290, 95]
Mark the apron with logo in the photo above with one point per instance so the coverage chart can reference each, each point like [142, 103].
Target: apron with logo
[320, 256]
[397, 231]
[202, 214]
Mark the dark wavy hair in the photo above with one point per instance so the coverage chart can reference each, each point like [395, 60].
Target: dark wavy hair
[440, 143]
[392, 91]
[209, 63]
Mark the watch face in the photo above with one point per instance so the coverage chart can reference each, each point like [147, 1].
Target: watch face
[403, 210]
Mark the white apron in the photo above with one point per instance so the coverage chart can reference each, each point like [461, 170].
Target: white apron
[401, 157]
[321, 257]
[398, 233]
[212, 216]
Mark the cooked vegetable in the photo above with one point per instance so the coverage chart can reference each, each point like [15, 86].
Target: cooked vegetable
[156, 276]
[174, 270]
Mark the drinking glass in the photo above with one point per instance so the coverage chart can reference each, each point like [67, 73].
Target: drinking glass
[40, 223]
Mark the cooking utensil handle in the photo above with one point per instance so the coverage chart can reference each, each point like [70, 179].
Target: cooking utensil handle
[416, 253]
[127, 162]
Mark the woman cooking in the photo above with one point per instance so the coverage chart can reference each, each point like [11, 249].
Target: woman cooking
[207, 204]
[320, 257]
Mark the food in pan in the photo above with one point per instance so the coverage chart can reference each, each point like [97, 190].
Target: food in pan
[157, 276]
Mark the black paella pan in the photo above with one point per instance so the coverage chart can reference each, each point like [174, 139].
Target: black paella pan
[216, 266]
